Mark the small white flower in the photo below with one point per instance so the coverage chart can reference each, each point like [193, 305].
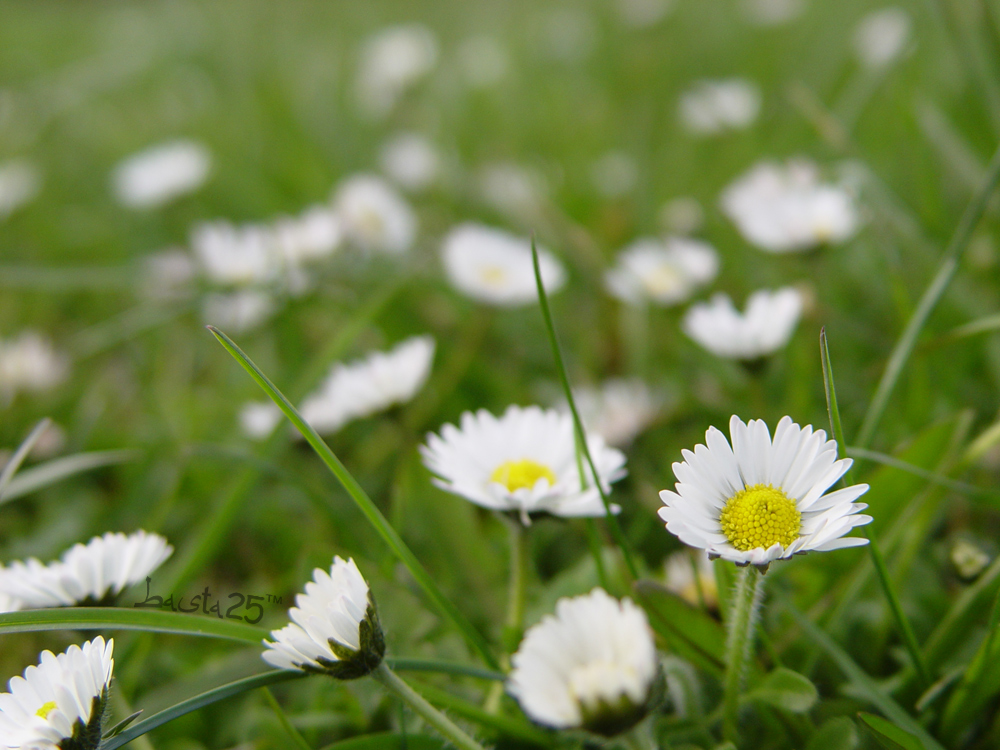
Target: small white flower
[61, 702]
[391, 62]
[524, 462]
[374, 216]
[773, 12]
[712, 107]
[370, 385]
[259, 418]
[881, 36]
[762, 500]
[484, 60]
[591, 666]
[238, 311]
[161, 173]
[665, 272]
[783, 209]
[20, 182]
[334, 629]
[765, 327]
[314, 234]
[92, 572]
[495, 267]
[617, 411]
[614, 174]
[411, 161]
[679, 570]
[30, 363]
[236, 255]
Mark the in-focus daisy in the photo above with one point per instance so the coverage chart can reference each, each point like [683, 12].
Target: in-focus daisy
[618, 410]
[161, 173]
[762, 500]
[592, 666]
[785, 208]
[665, 272]
[410, 161]
[374, 216]
[60, 703]
[680, 571]
[711, 107]
[523, 462]
[334, 629]
[495, 267]
[881, 36]
[370, 385]
[391, 61]
[90, 573]
[30, 363]
[20, 182]
[765, 327]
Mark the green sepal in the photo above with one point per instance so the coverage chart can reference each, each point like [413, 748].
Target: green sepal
[88, 736]
[351, 664]
[612, 719]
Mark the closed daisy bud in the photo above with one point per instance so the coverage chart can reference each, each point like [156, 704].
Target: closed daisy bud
[334, 629]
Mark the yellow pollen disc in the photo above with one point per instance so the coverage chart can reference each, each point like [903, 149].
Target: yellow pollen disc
[664, 279]
[515, 475]
[760, 516]
[46, 709]
[493, 275]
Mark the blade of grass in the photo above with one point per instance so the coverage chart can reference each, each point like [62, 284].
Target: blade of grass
[444, 667]
[57, 469]
[364, 503]
[934, 477]
[543, 300]
[292, 732]
[10, 468]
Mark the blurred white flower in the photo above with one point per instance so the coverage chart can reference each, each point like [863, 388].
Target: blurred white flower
[881, 36]
[370, 385]
[391, 62]
[410, 161]
[159, 174]
[785, 208]
[9, 604]
[314, 234]
[523, 462]
[679, 570]
[86, 573]
[765, 327]
[614, 174]
[334, 629]
[20, 182]
[168, 274]
[374, 216]
[495, 267]
[618, 410]
[259, 418]
[513, 190]
[591, 666]
[571, 34]
[773, 12]
[682, 216]
[61, 702]
[483, 60]
[236, 255]
[711, 107]
[641, 14]
[30, 363]
[238, 311]
[665, 272]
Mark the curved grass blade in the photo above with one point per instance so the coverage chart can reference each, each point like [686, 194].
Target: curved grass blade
[14, 463]
[444, 667]
[963, 488]
[50, 472]
[291, 731]
[364, 503]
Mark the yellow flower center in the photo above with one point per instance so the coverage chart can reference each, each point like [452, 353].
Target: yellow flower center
[46, 709]
[664, 279]
[515, 475]
[493, 275]
[760, 516]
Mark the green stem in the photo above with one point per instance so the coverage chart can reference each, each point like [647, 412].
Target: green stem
[596, 547]
[297, 738]
[516, 586]
[424, 709]
[739, 644]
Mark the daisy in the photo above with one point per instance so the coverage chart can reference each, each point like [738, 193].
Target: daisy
[61, 702]
[765, 327]
[94, 572]
[370, 385]
[592, 666]
[524, 462]
[20, 182]
[334, 629]
[760, 501]
[391, 62]
[712, 107]
[231, 255]
[664, 272]
[410, 161]
[495, 267]
[785, 208]
[881, 36]
[159, 174]
[618, 410]
[373, 215]
[168, 274]
[314, 234]
[30, 363]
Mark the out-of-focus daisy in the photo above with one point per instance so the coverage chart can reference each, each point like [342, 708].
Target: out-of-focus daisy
[712, 107]
[374, 216]
[680, 569]
[29, 362]
[484, 60]
[762, 500]
[881, 36]
[515, 191]
[168, 274]
[239, 311]
[334, 629]
[20, 182]
[314, 234]
[765, 327]
[93, 572]
[370, 385]
[682, 216]
[233, 255]
[161, 173]
[665, 272]
[60, 703]
[773, 12]
[641, 14]
[591, 666]
[9, 604]
[614, 174]
[410, 161]
[785, 208]
[391, 61]
[618, 410]
[524, 462]
[259, 418]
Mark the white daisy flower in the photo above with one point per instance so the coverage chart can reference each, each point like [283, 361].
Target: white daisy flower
[664, 272]
[760, 501]
[374, 216]
[592, 666]
[765, 327]
[61, 702]
[20, 182]
[410, 161]
[334, 629]
[314, 234]
[161, 173]
[881, 36]
[168, 274]
[711, 107]
[618, 410]
[259, 418]
[236, 255]
[93, 572]
[391, 62]
[30, 363]
[524, 462]
[370, 385]
[495, 267]
[783, 209]
[9, 603]
[679, 571]
[239, 311]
